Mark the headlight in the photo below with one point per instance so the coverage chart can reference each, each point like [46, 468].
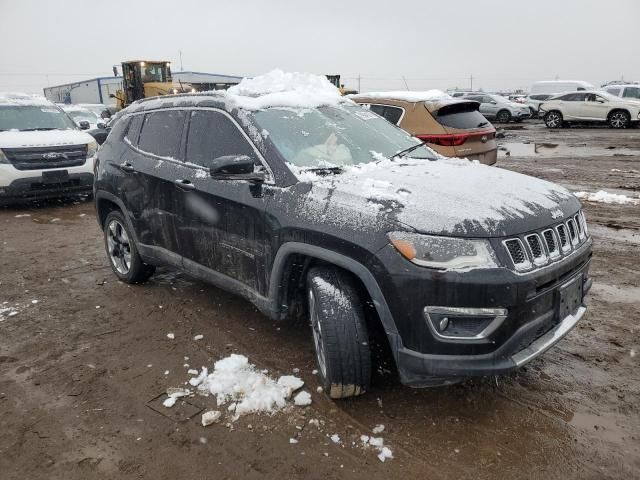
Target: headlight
[92, 148]
[3, 158]
[443, 252]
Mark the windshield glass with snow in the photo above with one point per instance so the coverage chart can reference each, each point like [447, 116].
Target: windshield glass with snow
[335, 136]
[32, 117]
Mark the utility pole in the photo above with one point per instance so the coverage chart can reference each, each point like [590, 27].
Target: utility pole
[406, 85]
[471, 80]
[359, 90]
[181, 68]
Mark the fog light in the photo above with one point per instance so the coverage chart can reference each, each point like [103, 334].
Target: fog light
[464, 324]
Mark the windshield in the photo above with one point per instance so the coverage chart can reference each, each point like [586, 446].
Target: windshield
[80, 115]
[335, 136]
[33, 117]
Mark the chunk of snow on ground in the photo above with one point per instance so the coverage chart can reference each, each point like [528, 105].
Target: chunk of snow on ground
[193, 371]
[212, 416]
[335, 438]
[376, 441]
[302, 399]
[166, 372]
[291, 383]
[602, 196]
[293, 440]
[319, 389]
[314, 372]
[198, 337]
[173, 394]
[384, 454]
[34, 301]
[6, 312]
[418, 96]
[21, 215]
[196, 381]
[284, 89]
[171, 336]
[378, 429]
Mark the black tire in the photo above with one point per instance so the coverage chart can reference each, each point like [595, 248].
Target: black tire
[339, 332]
[122, 251]
[619, 119]
[553, 119]
[503, 116]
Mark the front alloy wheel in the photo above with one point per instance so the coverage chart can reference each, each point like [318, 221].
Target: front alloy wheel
[118, 247]
[553, 120]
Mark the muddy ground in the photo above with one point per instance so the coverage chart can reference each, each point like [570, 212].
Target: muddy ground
[82, 371]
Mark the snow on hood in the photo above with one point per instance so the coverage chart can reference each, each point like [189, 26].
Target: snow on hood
[405, 96]
[447, 196]
[284, 89]
[44, 138]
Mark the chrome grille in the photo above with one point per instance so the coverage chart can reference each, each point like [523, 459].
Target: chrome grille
[42, 158]
[552, 245]
[549, 245]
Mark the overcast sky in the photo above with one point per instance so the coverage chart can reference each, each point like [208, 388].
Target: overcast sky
[504, 44]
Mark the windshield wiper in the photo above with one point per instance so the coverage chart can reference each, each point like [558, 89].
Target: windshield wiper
[37, 129]
[325, 170]
[403, 152]
[482, 124]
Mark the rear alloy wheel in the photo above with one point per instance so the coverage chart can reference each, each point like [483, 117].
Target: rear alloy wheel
[619, 119]
[553, 119]
[503, 116]
[122, 252]
[339, 332]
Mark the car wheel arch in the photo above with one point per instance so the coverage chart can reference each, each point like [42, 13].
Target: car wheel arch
[619, 109]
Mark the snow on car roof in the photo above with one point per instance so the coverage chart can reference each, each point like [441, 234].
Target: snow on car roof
[406, 96]
[17, 98]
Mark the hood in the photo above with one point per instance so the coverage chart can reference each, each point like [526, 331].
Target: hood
[44, 138]
[448, 197]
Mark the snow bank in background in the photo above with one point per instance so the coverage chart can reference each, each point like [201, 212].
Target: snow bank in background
[284, 89]
[425, 96]
[605, 197]
[236, 382]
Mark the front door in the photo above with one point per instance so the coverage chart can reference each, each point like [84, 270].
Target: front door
[223, 224]
[595, 107]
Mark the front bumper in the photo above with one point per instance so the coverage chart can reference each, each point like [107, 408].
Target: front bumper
[37, 187]
[537, 317]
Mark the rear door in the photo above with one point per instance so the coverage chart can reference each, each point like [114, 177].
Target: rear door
[223, 225]
[157, 164]
[573, 106]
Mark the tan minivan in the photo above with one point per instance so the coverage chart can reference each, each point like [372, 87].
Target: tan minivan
[453, 127]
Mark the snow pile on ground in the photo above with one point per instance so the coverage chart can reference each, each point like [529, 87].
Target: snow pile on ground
[605, 197]
[236, 382]
[7, 311]
[405, 96]
[384, 453]
[284, 89]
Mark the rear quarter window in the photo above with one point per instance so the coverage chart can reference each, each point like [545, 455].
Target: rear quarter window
[460, 115]
[392, 114]
[631, 92]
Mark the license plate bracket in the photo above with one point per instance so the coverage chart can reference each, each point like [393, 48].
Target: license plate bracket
[570, 297]
[56, 176]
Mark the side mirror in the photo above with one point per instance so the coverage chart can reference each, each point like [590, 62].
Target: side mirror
[111, 95]
[84, 125]
[105, 114]
[101, 125]
[235, 167]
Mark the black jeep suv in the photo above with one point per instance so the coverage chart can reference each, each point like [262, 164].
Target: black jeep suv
[472, 270]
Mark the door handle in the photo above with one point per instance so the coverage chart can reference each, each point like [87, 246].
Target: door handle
[127, 167]
[184, 184]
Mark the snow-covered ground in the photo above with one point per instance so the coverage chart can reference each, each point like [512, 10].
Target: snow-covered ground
[602, 196]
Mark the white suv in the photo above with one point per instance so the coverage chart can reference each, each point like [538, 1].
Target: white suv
[590, 106]
[42, 152]
[630, 91]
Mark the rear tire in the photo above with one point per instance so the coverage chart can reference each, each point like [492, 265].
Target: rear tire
[503, 116]
[122, 251]
[619, 119]
[553, 119]
[339, 332]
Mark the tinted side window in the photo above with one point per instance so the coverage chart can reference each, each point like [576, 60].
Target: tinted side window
[632, 92]
[134, 129]
[461, 115]
[212, 135]
[575, 97]
[393, 114]
[614, 91]
[379, 109]
[161, 133]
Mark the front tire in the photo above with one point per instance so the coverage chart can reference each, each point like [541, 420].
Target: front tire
[553, 119]
[619, 119]
[503, 116]
[122, 251]
[339, 332]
